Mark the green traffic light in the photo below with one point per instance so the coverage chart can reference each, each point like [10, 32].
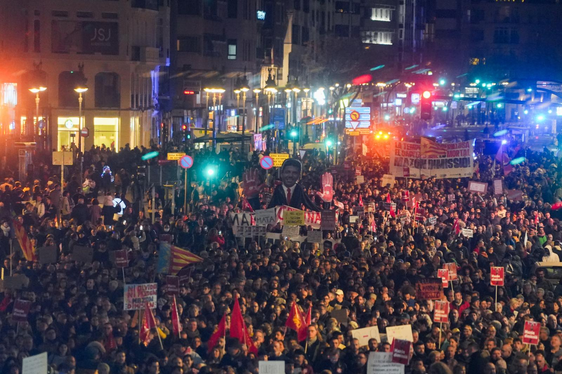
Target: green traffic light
[210, 171]
[329, 143]
[442, 82]
[294, 134]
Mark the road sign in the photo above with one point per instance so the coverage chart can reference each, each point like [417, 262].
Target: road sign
[186, 162]
[85, 132]
[63, 158]
[278, 159]
[358, 119]
[266, 162]
[175, 156]
[354, 115]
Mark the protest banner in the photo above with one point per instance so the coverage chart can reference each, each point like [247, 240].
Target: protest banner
[137, 296]
[290, 232]
[497, 276]
[265, 217]
[387, 179]
[365, 334]
[432, 221]
[293, 218]
[353, 219]
[381, 363]
[403, 332]
[21, 310]
[531, 332]
[312, 219]
[515, 195]
[452, 267]
[477, 187]
[172, 285]
[47, 255]
[498, 187]
[314, 236]
[441, 311]
[271, 367]
[16, 282]
[328, 220]
[429, 289]
[456, 163]
[371, 207]
[82, 254]
[360, 179]
[401, 351]
[467, 233]
[37, 364]
[444, 275]
[121, 260]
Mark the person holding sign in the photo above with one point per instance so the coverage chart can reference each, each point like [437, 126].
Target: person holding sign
[290, 192]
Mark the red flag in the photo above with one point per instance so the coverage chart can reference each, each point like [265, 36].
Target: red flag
[246, 207]
[537, 219]
[297, 322]
[149, 323]
[457, 227]
[392, 212]
[238, 328]
[360, 200]
[219, 333]
[176, 325]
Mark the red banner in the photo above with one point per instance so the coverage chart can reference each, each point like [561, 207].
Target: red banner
[497, 276]
[452, 267]
[121, 260]
[401, 351]
[429, 289]
[21, 310]
[172, 285]
[444, 275]
[441, 312]
[531, 332]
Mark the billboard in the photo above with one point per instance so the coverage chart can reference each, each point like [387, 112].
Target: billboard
[85, 37]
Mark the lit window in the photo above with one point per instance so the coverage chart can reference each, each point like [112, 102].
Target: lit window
[377, 37]
[9, 94]
[232, 49]
[382, 14]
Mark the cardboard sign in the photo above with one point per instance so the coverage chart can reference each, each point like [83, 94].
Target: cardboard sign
[477, 187]
[328, 220]
[353, 219]
[172, 285]
[340, 315]
[444, 275]
[429, 289]
[16, 282]
[432, 221]
[265, 217]
[271, 367]
[441, 312]
[366, 334]
[137, 296]
[467, 233]
[381, 363]
[121, 260]
[531, 332]
[291, 232]
[47, 255]
[35, 364]
[401, 351]
[515, 195]
[21, 310]
[293, 218]
[360, 179]
[82, 254]
[278, 159]
[497, 276]
[403, 332]
[314, 237]
[387, 179]
[498, 187]
[371, 207]
[452, 267]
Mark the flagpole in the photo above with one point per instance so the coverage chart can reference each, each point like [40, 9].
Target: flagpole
[440, 330]
[140, 323]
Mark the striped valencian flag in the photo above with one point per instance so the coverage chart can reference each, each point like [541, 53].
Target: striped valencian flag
[431, 149]
[180, 258]
[23, 240]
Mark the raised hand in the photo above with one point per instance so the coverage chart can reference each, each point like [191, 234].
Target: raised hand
[327, 193]
[251, 183]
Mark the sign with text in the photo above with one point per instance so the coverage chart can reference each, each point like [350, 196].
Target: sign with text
[137, 296]
[467, 233]
[35, 364]
[314, 237]
[497, 276]
[328, 221]
[429, 289]
[293, 218]
[387, 179]
[121, 260]
[381, 363]
[278, 159]
[477, 187]
[291, 231]
[172, 285]
[21, 310]
[531, 332]
[85, 37]
[403, 332]
[366, 334]
[271, 367]
[174, 156]
[444, 275]
[498, 187]
[452, 267]
[456, 162]
[401, 351]
[265, 217]
[441, 311]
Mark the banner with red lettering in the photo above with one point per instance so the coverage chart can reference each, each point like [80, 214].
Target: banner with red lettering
[313, 219]
[441, 312]
[531, 332]
[138, 296]
[401, 351]
[452, 267]
[444, 275]
[497, 276]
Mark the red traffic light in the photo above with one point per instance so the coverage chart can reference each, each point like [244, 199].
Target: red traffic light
[426, 94]
[189, 92]
[184, 127]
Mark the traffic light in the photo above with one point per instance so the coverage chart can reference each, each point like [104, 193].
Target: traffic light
[426, 105]
[294, 134]
[185, 132]
[329, 143]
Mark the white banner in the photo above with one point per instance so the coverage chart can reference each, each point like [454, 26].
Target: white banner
[381, 363]
[458, 163]
[138, 296]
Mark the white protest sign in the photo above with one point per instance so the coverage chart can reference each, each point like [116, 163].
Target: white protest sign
[137, 296]
[265, 217]
[498, 187]
[291, 231]
[366, 334]
[314, 237]
[381, 362]
[467, 233]
[360, 179]
[271, 367]
[403, 332]
[35, 364]
[387, 179]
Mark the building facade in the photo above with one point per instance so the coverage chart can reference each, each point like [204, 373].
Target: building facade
[117, 49]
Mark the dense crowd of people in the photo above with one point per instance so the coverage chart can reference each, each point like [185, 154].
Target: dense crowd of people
[370, 271]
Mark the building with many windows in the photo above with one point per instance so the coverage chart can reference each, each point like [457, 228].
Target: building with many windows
[114, 48]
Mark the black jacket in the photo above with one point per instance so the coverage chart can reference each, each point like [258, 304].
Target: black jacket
[298, 199]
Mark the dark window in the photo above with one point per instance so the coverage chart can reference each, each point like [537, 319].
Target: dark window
[296, 29]
[306, 5]
[501, 35]
[59, 13]
[514, 36]
[189, 7]
[145, 4]
[297, 4]
[67, 83]
[232, 8]
[446, 13]
[342, 6]
[84, 14]
[110, 16]
[476, 35]
[210, 8]
[477, 16]
[189, 44]
[37, 36]
[305, 35]
[36, 13]
[342, 31]
[26, 38]
[107, 90]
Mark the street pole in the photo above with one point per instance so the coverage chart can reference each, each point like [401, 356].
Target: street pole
[185, 194]
[37, 99]
[257, 108]
[80, 100]
[244, 125]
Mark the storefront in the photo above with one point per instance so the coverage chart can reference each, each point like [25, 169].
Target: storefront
[67, 131]
[106, 132]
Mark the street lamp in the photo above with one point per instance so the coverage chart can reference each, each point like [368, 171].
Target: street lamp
[270, 90]
[80, 90]
[244, 87]
[257, 95]
[36, 91]
[217, 90]
[296, 89]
